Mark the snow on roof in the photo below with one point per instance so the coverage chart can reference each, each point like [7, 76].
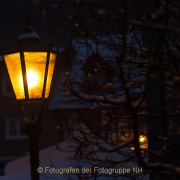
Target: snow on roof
[103, 45]
[28, 34]
[59, 99]
[84, 51]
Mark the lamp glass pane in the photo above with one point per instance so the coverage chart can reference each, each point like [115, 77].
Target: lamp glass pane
[13, 65]
[35, 69]
[52, 59]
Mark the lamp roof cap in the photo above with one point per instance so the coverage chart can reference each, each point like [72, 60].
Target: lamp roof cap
[28, 33]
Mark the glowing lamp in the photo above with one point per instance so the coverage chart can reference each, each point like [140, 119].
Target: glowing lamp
[30, 67]
[30, 73]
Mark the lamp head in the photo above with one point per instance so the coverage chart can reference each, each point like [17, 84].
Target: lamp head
[30, 66]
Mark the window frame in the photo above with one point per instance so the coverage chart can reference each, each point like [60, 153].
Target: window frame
[18, 136]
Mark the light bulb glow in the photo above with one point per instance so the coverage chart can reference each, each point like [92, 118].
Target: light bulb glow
[32, 78]
[35, 64]
[141, 139]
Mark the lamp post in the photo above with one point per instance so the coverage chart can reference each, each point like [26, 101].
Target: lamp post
[30, 67]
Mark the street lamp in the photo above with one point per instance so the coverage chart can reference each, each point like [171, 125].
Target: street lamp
[30, 67]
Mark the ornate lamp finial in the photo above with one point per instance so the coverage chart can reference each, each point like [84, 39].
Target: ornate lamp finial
[28, 34]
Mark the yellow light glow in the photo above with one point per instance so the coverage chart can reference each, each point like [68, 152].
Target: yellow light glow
[13, 65]
[35, 67]
[32, 79]
[142, 138]
[35, 63]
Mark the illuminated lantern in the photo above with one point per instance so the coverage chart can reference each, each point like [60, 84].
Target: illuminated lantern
[30, 67]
